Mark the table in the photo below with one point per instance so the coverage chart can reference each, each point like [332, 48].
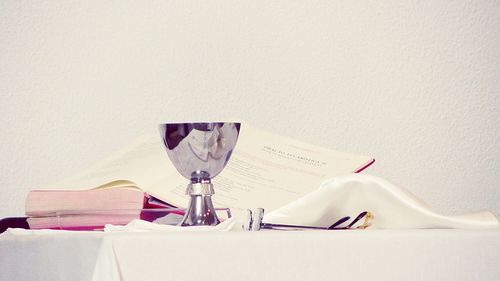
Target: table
[265, 255]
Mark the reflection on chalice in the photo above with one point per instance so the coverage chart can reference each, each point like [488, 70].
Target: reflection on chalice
[200, 151]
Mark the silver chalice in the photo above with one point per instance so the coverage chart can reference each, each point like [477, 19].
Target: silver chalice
[200, 151]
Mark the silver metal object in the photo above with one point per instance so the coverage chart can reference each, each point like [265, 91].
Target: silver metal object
[205, 189]
[199, 152]
[257, 217]
[256, 224]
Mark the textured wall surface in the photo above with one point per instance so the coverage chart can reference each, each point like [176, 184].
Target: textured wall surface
[415, 84]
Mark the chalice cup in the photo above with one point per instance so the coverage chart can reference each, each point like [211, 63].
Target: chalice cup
[199, 152]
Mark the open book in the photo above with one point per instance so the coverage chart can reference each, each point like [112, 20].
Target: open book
[265, 171]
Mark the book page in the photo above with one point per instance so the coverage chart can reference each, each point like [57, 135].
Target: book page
[141, 164]
[265, 171]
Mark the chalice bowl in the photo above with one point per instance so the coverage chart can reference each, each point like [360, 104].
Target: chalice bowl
[199, 152]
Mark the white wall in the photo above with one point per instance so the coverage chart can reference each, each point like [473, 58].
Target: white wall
[413, 83]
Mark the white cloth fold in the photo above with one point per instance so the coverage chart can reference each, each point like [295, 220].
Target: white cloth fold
[231, 224]
[391, 206]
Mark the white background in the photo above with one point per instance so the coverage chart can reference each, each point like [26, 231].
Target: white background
[415, 84]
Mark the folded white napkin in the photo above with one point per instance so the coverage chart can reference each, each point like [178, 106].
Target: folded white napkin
[26, 232]
[390, 205]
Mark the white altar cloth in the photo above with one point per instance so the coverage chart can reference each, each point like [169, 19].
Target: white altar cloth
[266, 255]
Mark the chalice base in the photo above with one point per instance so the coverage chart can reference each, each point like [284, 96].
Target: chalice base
[200, 211]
